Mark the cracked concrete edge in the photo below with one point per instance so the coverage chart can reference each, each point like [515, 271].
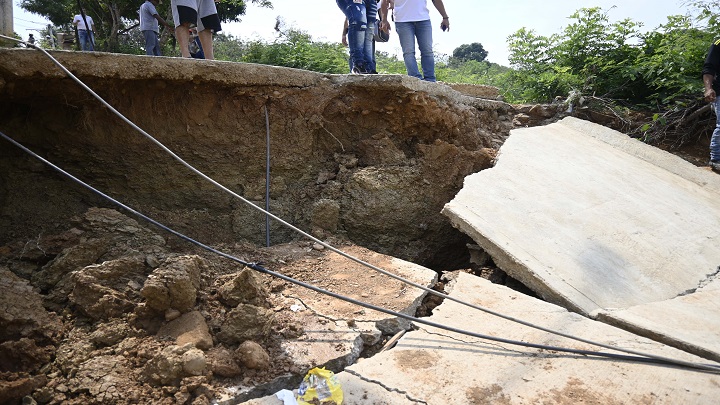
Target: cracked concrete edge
[512, 266]
[695, 311]
[648, 153]
[29, 63]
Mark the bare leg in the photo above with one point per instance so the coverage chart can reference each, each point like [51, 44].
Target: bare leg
[182, 33]
[206, 42]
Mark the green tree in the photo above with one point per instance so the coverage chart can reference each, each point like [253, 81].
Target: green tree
[468, 52]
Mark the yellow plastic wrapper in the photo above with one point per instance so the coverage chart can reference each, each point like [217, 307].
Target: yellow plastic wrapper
[320, 386]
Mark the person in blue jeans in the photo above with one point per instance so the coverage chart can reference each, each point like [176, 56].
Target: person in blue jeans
[412, 21]
[150, 27]
[85, 34]
[371, 11]
[710, 71]
[356, 14]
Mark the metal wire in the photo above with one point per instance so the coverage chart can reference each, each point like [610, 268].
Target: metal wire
[332, 248]
[260, 268]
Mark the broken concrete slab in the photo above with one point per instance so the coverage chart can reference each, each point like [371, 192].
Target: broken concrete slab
[695, 317]
[596, 221]
[590, 226]
[434, 366]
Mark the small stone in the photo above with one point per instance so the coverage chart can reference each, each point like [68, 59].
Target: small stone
[171, 314]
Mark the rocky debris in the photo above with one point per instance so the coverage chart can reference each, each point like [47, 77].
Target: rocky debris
[530, 115]
[245, 322]
[253, 356]
[13, 387]
[107, 379]
[22, 314]
[190, 328]
[173, 364]
[174, 284]
[98, 290]
[243, 288]
[212, 331]
[222, 362]
[24, 355]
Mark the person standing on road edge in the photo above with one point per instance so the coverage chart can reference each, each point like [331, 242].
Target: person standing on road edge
[150, 28]
[412, 20]
[371, 14]
[85, 34]
[201, 13]
[710, 71]
[356, 14]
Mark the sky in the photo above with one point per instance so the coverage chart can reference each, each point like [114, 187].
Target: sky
[486, 22]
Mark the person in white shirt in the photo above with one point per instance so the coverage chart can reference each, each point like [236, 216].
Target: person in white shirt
[412, 20]
[85, 34]
[150, 28]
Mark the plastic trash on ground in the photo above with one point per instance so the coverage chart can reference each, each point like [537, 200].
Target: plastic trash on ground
[320, 386]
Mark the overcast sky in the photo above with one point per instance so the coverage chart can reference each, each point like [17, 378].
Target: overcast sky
[486, 22]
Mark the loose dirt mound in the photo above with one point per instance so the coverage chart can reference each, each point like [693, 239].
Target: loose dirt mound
[133, 321]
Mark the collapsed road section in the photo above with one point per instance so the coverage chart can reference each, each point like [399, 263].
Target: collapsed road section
[604, 225]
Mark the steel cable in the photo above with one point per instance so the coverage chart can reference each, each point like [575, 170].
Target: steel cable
[330, 247]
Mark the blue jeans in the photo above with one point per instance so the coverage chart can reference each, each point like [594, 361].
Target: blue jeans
[369, 48]
[86, 40]
[355, 12]
[715, 140]
[152, 44]
[422, 30]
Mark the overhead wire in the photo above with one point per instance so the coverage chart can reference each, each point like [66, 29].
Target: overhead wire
[330, 247]
[258, 267]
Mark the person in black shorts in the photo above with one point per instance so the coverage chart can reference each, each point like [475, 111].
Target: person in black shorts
[200, 13]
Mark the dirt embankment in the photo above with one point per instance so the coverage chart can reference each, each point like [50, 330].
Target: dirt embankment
[98, 308]
[371, 158]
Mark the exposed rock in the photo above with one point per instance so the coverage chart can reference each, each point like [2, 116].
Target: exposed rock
[245, 322]
[174, 284]
[96, 300]
[174, 363]
[381, 122]
[326, 215]
[71, 259]
[222, 362]
[73, 352]
[24, 355]
[13, 387]
[105, 378]
[111, 333]
[244, 288]
[253, 356]
[477, 90]
[190, 328]
[22, 313]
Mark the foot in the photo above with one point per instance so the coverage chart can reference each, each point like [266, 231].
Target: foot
[359, 70]
[715, 165]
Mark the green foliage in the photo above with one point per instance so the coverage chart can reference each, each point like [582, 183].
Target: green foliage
[296, 49]
[468, 52]
[609, 60]
[672, 59]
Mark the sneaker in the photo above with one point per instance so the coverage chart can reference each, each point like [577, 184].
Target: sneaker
[359, 70]
[715, 165]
